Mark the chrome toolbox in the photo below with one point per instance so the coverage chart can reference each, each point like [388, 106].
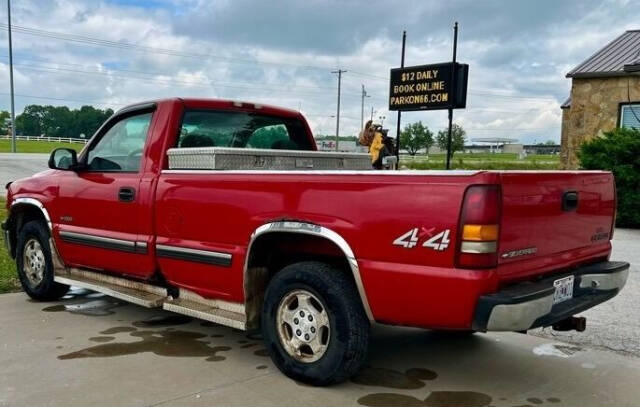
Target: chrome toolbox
[229, 158]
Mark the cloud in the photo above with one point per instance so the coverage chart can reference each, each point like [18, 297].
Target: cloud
[283, 53]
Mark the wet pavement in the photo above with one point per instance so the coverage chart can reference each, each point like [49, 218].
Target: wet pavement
[89, 349]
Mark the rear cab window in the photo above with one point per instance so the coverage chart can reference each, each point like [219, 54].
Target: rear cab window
[207, 128]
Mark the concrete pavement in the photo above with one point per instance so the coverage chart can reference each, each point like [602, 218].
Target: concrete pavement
[93, 350]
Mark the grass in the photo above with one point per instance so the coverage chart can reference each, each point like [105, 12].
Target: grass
[24, 146]
[8, 277]
[482, 161]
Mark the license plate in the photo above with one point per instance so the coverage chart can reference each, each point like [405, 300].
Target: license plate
[564, 289]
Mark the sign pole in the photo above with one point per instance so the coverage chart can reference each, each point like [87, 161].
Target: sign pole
[404, 41]
[453, 82]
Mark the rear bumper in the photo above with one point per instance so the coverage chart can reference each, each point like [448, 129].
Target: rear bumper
[530, 305]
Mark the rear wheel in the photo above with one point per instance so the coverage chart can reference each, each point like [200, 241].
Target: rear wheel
[314, 325]
[35, 267]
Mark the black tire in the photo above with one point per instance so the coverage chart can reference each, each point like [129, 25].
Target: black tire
[349, 334]
[47, 289]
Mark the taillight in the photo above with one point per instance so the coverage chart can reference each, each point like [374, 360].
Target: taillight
[479, 227]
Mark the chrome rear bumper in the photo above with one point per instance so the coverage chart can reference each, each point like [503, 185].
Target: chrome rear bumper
[530, 305]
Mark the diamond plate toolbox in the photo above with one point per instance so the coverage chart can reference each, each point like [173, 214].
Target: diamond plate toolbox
[228, 158]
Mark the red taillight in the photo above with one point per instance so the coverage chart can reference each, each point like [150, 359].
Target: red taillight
[479, 227]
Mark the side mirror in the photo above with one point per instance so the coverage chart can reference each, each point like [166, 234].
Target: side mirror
[63, 159]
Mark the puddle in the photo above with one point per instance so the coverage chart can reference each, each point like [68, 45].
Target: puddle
[163, 320]
[382, 377]
[117, 330]
[248, 345]
[94, 308]
[558, 350]
[171, 343]
[434, 399]
[102, 339]
[261, 352]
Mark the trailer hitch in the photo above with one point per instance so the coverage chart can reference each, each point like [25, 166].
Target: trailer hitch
[578, 324]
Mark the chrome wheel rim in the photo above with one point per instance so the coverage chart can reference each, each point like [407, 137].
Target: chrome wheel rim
[33, 262]
[303, 326]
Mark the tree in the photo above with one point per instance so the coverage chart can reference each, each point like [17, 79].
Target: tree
[4, 122]
[60, 121]
[458, 138]
[416, 136]
[618, 151]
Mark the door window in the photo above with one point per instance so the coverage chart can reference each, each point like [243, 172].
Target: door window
[120, 148]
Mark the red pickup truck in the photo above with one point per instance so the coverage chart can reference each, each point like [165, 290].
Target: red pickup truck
[221, 210]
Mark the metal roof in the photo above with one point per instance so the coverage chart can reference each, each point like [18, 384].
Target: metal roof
[611, 59]
[493, 140]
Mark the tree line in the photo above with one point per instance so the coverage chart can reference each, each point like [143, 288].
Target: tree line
[417, 136]
[56, 121]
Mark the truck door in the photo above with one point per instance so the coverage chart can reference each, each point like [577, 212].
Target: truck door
[99, 205]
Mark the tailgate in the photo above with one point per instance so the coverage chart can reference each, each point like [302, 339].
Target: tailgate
[544, 229]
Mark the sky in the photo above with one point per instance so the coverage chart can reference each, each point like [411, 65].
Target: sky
[112, 53]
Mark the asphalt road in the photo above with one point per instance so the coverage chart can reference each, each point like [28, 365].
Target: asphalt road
[16, 166]
[93, 350]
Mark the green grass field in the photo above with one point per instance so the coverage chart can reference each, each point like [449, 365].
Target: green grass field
[24, 146]
[481, 161]
[8, 277]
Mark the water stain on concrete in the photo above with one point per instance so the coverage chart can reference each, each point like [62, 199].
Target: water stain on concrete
[94, 308]
[248, 345]
[102, 339]
[261, 367]
[171, 343]
[117, 330]
[163, 320]
[435, 399]
[410, 379]
[254, 336]
[553, 400]
[534, 400]
[261, 352]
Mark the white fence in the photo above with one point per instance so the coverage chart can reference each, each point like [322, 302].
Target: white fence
[49, 139]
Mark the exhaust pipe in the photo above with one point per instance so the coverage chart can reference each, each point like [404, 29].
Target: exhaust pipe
[578, 324]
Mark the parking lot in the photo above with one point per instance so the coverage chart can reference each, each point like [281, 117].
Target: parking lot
[93, 350]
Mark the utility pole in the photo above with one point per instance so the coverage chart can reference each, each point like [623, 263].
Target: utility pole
[13, 109]
[453, 86]
[364, 95]
[339, 72]
[372, 112]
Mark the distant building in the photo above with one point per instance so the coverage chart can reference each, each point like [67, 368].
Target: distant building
[605, 94]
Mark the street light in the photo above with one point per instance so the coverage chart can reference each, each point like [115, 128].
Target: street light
[381, 120]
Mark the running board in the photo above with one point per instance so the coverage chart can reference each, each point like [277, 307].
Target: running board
[188, 303]
[217, 311]
[135, 292]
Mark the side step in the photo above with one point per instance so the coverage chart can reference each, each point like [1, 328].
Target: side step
[217, 311]
[146, 295]
[188, 303]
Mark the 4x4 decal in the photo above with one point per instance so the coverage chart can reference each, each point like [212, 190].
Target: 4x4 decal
[438, 241]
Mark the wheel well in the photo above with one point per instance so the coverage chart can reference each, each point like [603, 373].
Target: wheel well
[19, 215]
[272, 252]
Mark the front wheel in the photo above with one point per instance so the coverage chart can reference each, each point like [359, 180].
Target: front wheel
[35, 267]
[314, 325]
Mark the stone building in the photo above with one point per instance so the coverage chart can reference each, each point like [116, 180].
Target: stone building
[605, 94]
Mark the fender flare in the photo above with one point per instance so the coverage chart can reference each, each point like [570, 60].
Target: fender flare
[34, 202]
[313, 230]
